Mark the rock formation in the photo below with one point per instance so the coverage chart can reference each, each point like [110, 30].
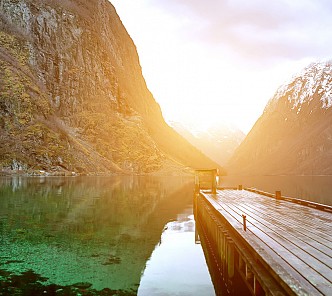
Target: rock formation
[72, 94]
[294, 134]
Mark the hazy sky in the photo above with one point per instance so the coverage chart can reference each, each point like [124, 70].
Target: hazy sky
[208, 61]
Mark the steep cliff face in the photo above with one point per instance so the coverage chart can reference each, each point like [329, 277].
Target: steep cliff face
[294, 134]
[73, 96]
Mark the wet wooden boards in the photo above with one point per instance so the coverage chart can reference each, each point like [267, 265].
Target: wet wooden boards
[294, 240]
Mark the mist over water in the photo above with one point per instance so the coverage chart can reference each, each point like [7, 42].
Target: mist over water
[100, 234]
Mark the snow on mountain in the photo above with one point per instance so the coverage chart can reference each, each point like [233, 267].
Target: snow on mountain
[217, 141]
[314, 82]
[294, 133]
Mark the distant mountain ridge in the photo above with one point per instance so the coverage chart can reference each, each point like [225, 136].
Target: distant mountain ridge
[218, 141]
[73, 98]
[294, 133]
[312, 85]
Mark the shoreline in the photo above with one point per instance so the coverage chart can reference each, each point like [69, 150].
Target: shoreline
[41, 173]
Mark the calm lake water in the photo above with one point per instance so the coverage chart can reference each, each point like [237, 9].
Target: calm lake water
[313, 188]
[113, 235]
[99, 236]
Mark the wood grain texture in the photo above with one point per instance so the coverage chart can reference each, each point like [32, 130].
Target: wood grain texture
[294, 240]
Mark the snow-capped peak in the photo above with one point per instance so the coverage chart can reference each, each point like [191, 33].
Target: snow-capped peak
[314, 82]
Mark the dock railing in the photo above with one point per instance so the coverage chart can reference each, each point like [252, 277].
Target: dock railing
[239, 244]
[278, 196]
[208, 179]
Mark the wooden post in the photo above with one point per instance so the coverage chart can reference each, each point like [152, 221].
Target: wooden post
[197, 185]
[195, 205]
[197, 238]
[230, 258]
[220, 250]
[224, 251]
[214, 181]
[278, 195]
[244, 217]
[249, 276]
[242, 265]
[258, 290]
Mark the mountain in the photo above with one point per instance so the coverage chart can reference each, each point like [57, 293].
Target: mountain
[72, 94]
[294, 133]
[218, 142]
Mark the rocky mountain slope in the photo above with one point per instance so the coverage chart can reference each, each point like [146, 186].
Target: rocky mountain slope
[294, 133]
[72, 94]
[217, 142]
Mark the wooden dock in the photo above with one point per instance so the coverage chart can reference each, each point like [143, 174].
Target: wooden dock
[275, 246]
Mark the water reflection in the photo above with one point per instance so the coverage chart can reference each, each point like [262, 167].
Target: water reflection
[177, 271]
[92, 233]
[313, 188]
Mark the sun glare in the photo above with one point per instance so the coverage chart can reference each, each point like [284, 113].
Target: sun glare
[194, 81]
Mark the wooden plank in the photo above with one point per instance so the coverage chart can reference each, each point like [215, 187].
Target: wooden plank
[279, 208]
[319, 267]
[288, 228]
[281, 268]
[309, 232]
[313, 212]
[298, 209]
[298, 247]
[299, 213]
[308, 203]
[312, 272]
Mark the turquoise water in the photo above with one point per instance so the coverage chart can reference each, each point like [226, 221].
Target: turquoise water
[99, 236]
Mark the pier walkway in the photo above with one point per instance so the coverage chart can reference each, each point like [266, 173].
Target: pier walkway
[276, 245]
